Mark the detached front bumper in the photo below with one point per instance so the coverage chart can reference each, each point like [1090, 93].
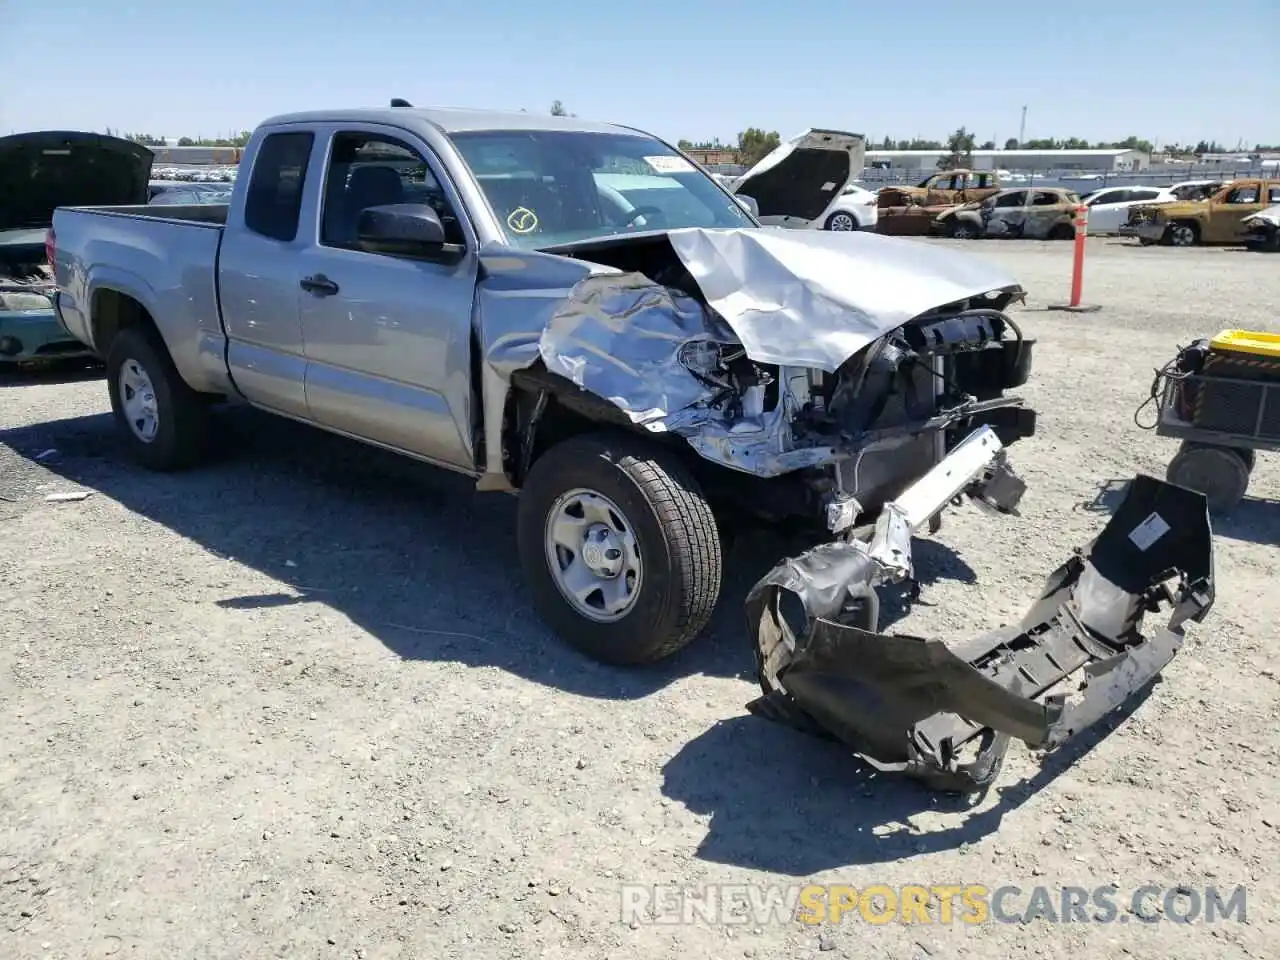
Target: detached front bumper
[1151, 230]
[946, 714]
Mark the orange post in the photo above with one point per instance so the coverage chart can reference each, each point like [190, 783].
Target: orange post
[1080, 220]
[1081, 223]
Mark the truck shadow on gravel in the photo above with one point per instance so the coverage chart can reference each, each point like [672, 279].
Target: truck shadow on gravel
[410, 553]
[52, 373]
[1254, 520]
[794, 805]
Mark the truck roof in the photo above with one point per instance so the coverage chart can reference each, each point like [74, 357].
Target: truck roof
[450, 119]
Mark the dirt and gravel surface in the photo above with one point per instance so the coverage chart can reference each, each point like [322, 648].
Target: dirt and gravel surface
[295, 703]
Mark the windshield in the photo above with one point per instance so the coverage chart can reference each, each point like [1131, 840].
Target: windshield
[552, 187]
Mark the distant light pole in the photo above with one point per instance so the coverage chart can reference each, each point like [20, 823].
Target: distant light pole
[1022, 129]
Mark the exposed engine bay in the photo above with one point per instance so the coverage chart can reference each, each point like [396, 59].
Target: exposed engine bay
[25, 286]
[856, 429]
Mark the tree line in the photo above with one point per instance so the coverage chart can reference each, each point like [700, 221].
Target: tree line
[753, 143]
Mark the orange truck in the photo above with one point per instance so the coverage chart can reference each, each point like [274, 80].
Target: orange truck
[1217, 220]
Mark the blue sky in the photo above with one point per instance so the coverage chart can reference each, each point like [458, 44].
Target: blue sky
[681, 68]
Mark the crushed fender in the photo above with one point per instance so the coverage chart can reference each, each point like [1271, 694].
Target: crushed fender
[946, 714]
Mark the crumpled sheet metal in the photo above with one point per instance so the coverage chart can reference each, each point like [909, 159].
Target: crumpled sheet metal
[913, 704]
[1269, 215]
[812, 298]
[620, 338]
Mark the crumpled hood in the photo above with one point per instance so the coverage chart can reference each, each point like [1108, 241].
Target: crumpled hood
[815, 298]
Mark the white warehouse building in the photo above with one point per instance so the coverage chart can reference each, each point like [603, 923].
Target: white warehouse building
[927, 160]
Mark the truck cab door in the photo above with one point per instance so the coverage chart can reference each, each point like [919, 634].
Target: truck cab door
[388, 337]
[1225, 213]
[257, 273]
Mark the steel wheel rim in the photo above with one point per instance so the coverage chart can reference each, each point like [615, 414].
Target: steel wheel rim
[1182, 236]
[593, 555]
[842, 223]
[138, 400]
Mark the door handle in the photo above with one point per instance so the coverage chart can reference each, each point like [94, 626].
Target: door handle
[320, 285]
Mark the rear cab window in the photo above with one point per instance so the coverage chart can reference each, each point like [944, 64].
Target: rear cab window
[273, 204]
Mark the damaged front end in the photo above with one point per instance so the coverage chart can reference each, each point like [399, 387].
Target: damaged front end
[945, 713]
[768, 363]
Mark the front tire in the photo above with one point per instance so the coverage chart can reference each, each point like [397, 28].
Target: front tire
[1182, 233]
[843, 222]
[620, 547]
[164, 422]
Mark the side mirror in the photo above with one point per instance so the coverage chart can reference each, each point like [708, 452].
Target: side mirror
[404, 230]
[748, 204]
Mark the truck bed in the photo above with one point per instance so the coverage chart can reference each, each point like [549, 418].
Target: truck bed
[205, 213]
[165, 258]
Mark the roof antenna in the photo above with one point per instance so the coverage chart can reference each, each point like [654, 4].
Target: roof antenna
[400, 102]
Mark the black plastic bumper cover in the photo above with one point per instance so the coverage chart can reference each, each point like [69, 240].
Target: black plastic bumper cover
[912, 704]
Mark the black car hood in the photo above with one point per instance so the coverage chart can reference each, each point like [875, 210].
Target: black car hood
[58, 168]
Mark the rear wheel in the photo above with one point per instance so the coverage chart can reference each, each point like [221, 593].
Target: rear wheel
[1062, 231]
[620, 547]
[165, 423]
[1220, 473]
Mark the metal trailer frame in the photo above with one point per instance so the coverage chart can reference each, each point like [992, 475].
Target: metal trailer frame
[1217, 463]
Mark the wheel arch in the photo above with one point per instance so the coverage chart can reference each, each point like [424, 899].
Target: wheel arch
[112, 310]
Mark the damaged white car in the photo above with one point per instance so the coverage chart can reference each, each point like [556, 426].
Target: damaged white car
[806, 183]
[576, 313]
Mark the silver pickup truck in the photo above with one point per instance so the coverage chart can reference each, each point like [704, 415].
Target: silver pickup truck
[577, 312]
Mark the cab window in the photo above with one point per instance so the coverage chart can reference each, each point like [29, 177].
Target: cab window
[274, 201]
[371, 170]
[1247, 193]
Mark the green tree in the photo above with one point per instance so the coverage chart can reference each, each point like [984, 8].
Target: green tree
[988, 145]
[754, 144]
[1011, 143]
[558, 110]
[685, 144]
[959, 151]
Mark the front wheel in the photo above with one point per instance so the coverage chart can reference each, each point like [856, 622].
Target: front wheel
[842, 222]
[1182, 234]
[963, 230]
[165, 423]
[619, 546]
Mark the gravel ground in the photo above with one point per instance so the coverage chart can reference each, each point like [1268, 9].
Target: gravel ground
[295, 703]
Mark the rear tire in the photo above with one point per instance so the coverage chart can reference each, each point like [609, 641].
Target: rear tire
[1063, 231]
[665, 521]
[1220, 473]
[164, 422]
